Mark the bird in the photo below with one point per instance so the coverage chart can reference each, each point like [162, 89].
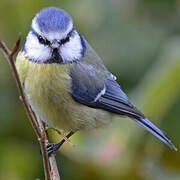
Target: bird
[66, 83]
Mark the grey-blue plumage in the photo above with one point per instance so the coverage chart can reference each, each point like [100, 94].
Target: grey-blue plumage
[90, 78]
[60, 55]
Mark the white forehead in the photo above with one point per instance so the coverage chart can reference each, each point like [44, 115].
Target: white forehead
[51, 35]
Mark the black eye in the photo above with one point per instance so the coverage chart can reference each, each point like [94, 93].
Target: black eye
[43, 41]
[63, 41]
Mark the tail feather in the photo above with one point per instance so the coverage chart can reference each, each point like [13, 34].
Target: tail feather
[144, 122]
[116, 101]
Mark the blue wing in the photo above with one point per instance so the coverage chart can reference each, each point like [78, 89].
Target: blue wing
[94, 86]
[115, 100]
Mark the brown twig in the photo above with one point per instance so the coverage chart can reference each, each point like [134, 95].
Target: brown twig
[9, 56]
[64, 137]
[37, 125]
[54, 173]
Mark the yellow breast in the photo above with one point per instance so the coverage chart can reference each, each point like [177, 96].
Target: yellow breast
[47, 87]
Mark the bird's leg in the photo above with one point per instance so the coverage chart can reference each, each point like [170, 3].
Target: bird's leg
[53, 147]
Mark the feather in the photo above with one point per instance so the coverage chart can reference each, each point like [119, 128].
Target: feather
[93, 86]
[144, 122]
[118, 103]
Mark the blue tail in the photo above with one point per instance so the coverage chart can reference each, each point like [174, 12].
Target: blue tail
[144, 122]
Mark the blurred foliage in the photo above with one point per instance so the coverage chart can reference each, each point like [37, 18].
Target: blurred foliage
[139, 41]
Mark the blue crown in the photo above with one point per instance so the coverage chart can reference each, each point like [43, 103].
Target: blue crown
[52, 19]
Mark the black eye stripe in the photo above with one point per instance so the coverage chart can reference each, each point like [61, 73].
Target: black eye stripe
[46, 42]
[65, 40]
[40, 38]
[43, 41]
[70, 33]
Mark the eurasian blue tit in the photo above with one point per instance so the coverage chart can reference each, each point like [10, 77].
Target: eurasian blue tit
[65, 81]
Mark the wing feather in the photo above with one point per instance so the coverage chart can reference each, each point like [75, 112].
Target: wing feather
[93, 85]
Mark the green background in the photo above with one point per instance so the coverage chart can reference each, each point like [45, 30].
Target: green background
[139, 41]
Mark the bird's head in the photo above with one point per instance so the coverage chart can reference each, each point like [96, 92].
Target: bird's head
[53, 38]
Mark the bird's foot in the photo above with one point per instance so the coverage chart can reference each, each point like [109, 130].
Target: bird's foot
[53, 147]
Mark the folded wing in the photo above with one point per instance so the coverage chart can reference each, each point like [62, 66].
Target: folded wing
[94, 86]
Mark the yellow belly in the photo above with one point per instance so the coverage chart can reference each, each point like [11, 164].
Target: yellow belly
[47, 87]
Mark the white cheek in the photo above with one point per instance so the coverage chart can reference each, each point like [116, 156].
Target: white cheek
[36, 51]
[72, 50]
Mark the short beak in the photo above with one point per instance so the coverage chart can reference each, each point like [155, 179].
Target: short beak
[55, 44]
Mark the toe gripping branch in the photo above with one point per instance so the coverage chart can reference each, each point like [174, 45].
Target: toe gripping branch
[53, 147]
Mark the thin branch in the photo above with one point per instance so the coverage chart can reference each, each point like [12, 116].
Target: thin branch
[37, 125]
[54, 170]
[54, 173]
[9, 56]
[64, 137]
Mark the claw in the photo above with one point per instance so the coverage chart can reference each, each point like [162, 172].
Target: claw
[53, 147]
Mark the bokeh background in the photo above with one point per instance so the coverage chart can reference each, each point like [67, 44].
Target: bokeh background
[139, 41]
